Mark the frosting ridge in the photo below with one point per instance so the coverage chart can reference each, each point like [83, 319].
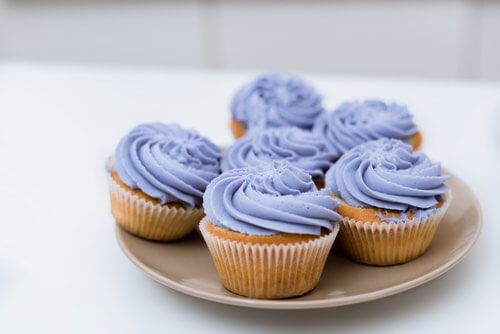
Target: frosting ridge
[356, 122]
[269, 199]
[275, 100]
[301, 148]
[386, 174]
[167, 162]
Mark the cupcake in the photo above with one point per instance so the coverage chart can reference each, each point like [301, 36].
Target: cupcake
[157, 178]
[301, 148]
[392, 200]
[356, 122]
[274, 100]
[268, 229]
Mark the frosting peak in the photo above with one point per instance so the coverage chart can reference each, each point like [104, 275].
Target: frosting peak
[301, 148]
[275, 100]
[386, 174]
[356, 122]
[167, 162]
[269, 199]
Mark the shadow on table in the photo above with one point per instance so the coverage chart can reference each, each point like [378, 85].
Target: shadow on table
[368, 314]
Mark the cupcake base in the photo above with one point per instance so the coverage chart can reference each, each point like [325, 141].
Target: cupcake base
[320, 184]
[381, 243]
[416, 140]
[145, 217]
[269, 267]
[237, 128]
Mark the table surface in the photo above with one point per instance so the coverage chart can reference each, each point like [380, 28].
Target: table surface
[61, 269]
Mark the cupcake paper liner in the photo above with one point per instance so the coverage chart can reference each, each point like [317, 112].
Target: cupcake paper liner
[385, 243]
[151, 220]
[269, 271]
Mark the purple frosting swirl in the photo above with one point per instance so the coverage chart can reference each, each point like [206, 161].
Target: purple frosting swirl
[275, 100]
[356, 122]
[386, 174]
[301, 148]
[269, 199]
[167, 162]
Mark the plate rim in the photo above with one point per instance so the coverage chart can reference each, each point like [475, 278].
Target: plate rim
[289, 304]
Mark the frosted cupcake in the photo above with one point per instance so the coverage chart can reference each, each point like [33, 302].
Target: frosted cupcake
[299, 147]
[356, 122]
[392, 200]
[269, 230]
[274, 100]
[157, 178]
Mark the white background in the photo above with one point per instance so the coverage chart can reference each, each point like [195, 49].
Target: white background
[61, 270]
[425, 38]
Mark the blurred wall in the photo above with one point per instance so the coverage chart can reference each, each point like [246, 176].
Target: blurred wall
[444, 38]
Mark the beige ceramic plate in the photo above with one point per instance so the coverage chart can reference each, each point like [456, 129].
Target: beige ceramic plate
[186, 265]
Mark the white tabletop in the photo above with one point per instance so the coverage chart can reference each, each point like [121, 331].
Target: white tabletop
[61, 269]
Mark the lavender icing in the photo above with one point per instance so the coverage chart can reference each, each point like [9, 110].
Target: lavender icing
[167, 162]
[269, 199]
[356, 122]
[301, 148]
[275, 100]
[386, 174]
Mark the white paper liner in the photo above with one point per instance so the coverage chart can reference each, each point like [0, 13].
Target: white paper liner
[269, 271]
[151, 220]
[383, 243]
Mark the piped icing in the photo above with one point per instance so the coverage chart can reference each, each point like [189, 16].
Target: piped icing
[275, 100]
[386, 174]
[167, 162]
[269, 199]
[301, 148]
[356, 122]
